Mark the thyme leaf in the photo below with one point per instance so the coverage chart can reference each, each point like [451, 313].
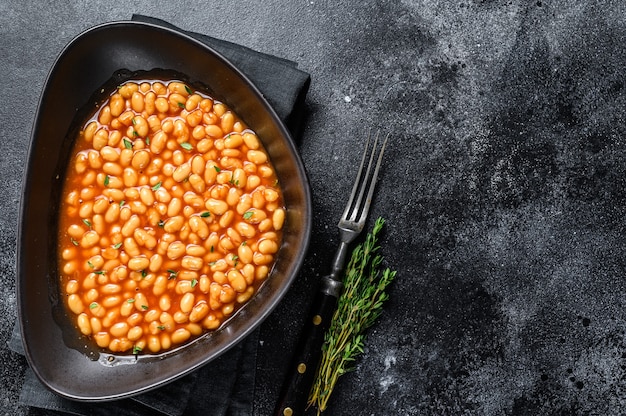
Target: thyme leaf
[359, 307]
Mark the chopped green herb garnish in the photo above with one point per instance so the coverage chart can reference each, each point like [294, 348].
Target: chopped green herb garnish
[217, 168]
[73, 241]
[144, 307]
[189, 91]
[134, 121]
[100, 272]
[186, 145]
[194, 282]
[172, 274]
[87, 223]
[117, 246]
[205, 214]
[135, 134]
[122, 202]
[136, 349]
[93, 305]
[212, 249]
[161, 327]
[161, 223]
[106, 180]
[180, 104]
[127, 143]
[130, 300]
[144, 273]
[247, 215]
[148, 141]
[90, 264]
[157, 186]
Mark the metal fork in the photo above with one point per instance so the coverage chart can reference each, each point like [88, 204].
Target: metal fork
[301, 373]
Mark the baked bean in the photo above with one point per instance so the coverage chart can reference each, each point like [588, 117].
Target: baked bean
[100, 139]
[70, 267]
[72, 287]
[127, 90]
[278, 219]
[135, 318]
[135, 333]
[119, 329]
[144, 238]
[198, 226]
[180, 335]
[253, 182]
[192, 263]
[211, 322]
[89, 239]
[182, 172]
[138, 263]
[257, 157]
[199, 312]
[171, 205]
[227, 121]
[75, 304]
[237, 281]
[111, 301]
[137, 102]
[146, 196]
[103, 339]
[245, 296]
[245, 253]
[91, 296]
[83, 324]
[268, 246]
[262, 272]
[228, 309]
[175, 250]
[216, 207]
[165, 303]
[197, 183]
[193, 200]
[174, 224]
[129, 226]
[187, 302]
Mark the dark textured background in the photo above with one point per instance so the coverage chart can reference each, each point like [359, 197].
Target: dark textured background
[503, 188]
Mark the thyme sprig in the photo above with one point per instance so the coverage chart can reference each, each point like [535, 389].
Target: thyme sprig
[358, 308]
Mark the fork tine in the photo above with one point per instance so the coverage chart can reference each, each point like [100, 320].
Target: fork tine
[370, 192]
[357, 181]
[364, 182]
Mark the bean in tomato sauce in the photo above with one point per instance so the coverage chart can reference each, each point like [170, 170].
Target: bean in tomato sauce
[171, 217]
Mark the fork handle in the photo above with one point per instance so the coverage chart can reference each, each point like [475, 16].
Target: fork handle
[301, 372]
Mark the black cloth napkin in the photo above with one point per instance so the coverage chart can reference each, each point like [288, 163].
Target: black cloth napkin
[225, 386]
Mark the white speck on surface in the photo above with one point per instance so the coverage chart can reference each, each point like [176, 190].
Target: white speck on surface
[389, 361]
[347, 98]
[385, 382]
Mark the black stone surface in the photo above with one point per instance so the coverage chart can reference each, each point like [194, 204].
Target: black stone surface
[503, 188]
